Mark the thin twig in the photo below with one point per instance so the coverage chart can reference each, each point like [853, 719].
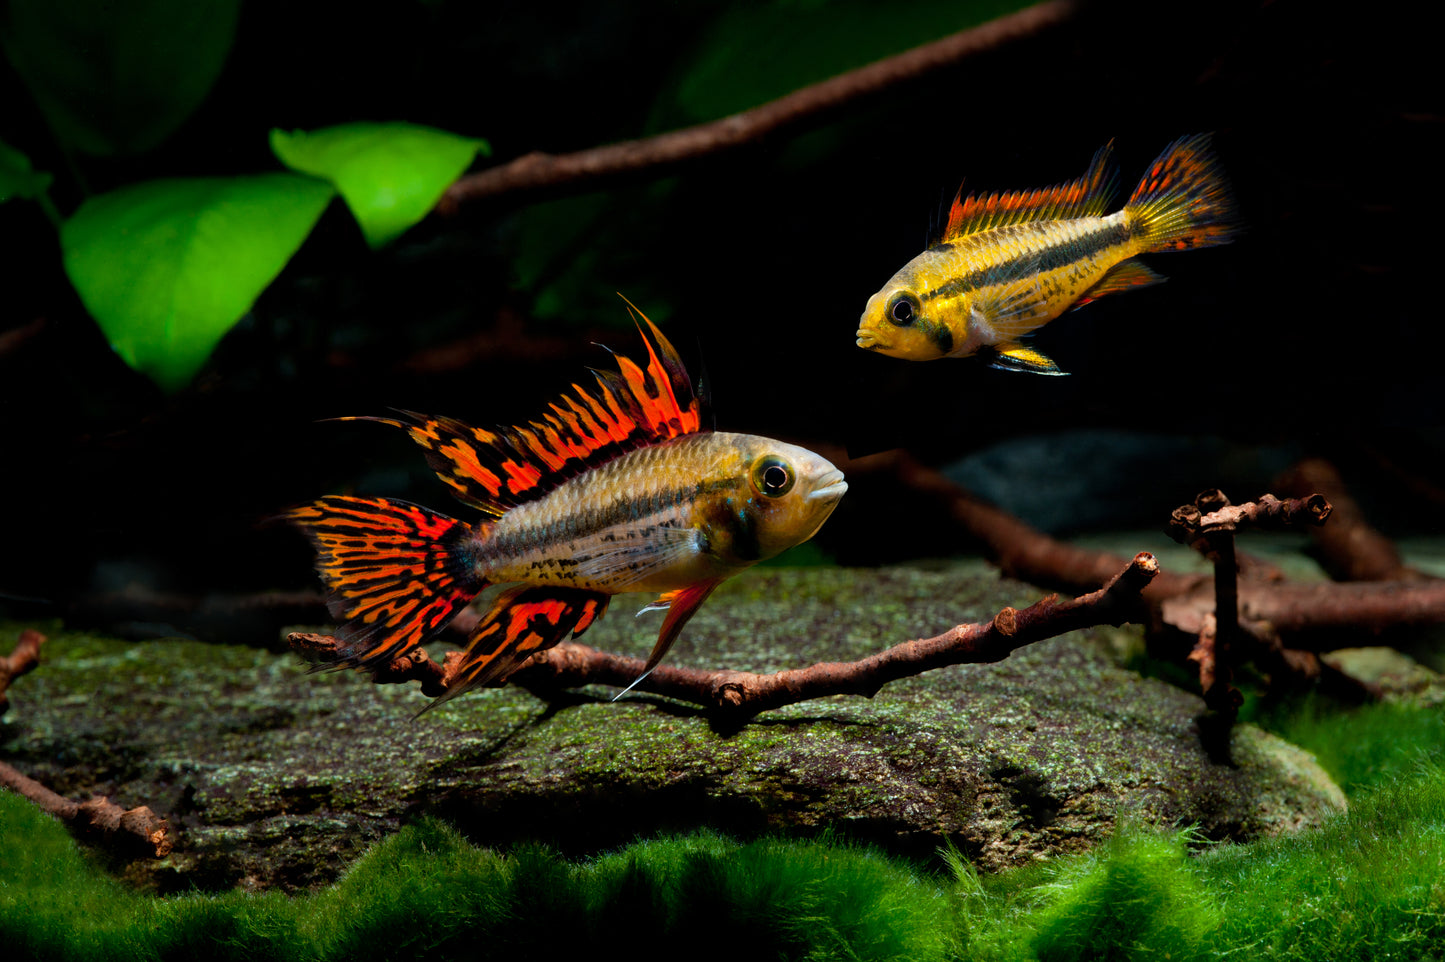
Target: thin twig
[736, 695]
[23, 659]
[96, 817]
[666, 151]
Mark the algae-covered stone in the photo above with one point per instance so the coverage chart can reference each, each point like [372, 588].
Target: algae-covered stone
[277, 777]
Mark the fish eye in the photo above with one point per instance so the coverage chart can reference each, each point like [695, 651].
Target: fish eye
[772, 476]
[903, 309]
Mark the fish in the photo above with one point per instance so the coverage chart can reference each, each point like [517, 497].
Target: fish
[1007, 264]
[621, 486]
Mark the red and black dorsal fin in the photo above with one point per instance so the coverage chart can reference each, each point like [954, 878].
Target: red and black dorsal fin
[630, 408]
[1088, 196]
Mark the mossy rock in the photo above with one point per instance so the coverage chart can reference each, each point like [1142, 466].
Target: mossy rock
[275, 777]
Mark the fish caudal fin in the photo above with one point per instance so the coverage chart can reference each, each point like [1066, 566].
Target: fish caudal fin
[1183, 201]
[396, 573]
[522, 621]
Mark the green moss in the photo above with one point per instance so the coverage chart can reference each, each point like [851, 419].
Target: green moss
[1367, 885]
[1363, 747]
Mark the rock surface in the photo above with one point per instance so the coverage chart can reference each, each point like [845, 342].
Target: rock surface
[274, 777]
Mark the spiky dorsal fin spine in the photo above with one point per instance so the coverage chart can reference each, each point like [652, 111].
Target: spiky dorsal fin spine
[632, 407]
[1089, 196]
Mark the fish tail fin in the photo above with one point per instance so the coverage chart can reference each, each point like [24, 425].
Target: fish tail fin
[1184, 200]
[396, 573]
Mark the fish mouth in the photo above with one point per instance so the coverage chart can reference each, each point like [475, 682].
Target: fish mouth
[831, 487]
[867, 340]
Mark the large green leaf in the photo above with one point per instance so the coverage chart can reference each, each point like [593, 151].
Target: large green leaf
[17, 177]
[391, 175]
[167, 267]
[117, 78]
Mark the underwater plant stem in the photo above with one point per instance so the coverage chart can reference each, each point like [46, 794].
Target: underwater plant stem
[594, 167]
[23, 659]
[97, 817]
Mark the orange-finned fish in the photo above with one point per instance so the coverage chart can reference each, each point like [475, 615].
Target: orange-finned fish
[1007, 264]
[616, 488]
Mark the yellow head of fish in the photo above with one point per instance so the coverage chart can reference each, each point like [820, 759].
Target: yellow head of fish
[768, 496]
[900, 321]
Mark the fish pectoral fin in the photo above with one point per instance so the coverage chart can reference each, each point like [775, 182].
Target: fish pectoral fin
[1012, 308]
[1124, 276]
[626, 561]
[682, 604]
[1016, 357]
[522, 621]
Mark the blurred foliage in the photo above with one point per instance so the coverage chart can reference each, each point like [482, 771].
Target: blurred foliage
[390, 175]
[118, 78]
[753, 53]
[167, 267]
[18, 178]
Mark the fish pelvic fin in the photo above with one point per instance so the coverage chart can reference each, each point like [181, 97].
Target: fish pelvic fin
[495, 469]
[1184, 200]
[396, 573]
[1088, 196]
[1016, 357]
[1124, 276]
[681, 605]
[522, 621]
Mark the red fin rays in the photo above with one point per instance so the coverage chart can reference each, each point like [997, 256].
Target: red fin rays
[633, 407]
[522, 621]
[396, 572]
[1090, 195]
[681, 604]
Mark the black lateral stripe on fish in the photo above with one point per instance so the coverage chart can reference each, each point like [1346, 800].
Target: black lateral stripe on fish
[616, 488]
[1008, 263]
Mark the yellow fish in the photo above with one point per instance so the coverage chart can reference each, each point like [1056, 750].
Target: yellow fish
[618, 487]
[1007, 264]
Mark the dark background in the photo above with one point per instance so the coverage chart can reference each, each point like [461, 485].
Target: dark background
[1317, 332]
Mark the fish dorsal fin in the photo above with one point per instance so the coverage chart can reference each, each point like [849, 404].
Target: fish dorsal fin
[1089, 196]
[630, 408]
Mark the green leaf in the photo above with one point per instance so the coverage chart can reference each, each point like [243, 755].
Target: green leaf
[391, 175]
[117, 78]
[167, 267]
[17, 177]
[757, 52]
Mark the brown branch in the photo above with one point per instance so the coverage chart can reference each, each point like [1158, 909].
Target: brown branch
[97, 817]
[737, 695]
[664, 152]
[1350, 548]
[23, 659]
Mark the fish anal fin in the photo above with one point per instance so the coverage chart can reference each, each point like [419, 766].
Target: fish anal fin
[1124, 276]
[1088, 196]
[522, 621]
[1016, 357]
